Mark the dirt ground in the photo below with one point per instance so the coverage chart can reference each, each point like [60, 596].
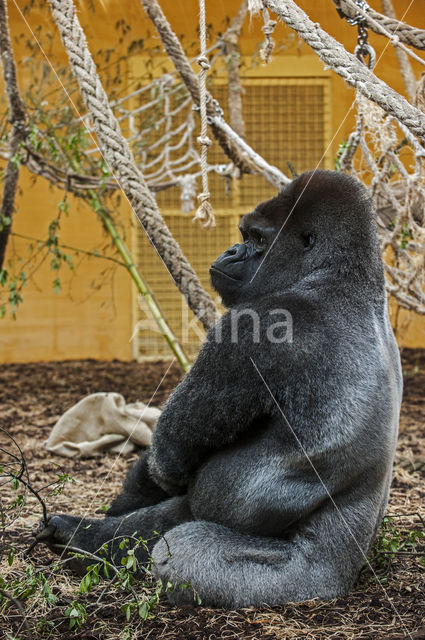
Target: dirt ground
[388, 601]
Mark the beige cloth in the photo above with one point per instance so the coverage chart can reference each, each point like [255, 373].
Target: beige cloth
[102, 421]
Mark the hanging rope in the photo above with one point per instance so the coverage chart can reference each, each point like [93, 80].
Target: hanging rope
[204, 212]
[402, 54]
[232, 59]
[333, 54]
[268, 29]
[118, 156]
[257, 6]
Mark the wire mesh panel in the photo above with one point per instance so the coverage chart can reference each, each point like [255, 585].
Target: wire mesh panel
[201, 248]
[286, 120]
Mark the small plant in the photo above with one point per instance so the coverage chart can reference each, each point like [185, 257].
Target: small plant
[394, 541]
[77, 614]
[27, 582]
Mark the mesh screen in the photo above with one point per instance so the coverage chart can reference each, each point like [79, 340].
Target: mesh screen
[285, 121]
[201, 248]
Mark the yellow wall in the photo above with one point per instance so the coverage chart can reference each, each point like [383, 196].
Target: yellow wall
[92, 315]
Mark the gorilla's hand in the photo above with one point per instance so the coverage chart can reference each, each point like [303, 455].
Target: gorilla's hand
[168, 467]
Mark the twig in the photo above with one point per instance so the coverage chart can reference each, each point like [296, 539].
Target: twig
[24, 471]
[67, 246]
[19, 606]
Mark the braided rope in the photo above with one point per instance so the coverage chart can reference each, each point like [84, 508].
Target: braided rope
[204, 212]
[393, 36]
[118, 156]
[333, 54]
[409, 35]
[375, 21]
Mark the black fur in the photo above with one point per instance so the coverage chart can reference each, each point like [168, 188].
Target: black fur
[276, 449]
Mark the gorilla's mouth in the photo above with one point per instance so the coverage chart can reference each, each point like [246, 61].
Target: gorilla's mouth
[214, 270]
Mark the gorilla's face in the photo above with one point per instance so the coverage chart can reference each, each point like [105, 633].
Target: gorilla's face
[316, 224]
[270, 257]
[234, 272]
[248, 269]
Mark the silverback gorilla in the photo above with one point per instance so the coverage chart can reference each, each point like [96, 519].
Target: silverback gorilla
[270, 467]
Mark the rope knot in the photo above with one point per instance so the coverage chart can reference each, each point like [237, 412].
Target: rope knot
[203, 197]
[204, 63]
[204, 140]
[205, 213]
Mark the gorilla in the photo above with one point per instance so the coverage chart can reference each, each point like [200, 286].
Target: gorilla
[270, 468]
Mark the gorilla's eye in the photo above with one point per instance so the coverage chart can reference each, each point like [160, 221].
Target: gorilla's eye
[258, 239]
[308, 240]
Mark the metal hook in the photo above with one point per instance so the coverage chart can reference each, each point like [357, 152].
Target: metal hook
[366, 54]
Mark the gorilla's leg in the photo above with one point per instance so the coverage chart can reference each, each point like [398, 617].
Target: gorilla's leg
[139, 490]
[231, 569]
[91, 534]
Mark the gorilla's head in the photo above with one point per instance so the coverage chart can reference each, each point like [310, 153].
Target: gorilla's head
[320, 226]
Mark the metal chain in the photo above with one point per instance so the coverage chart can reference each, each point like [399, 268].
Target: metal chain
[363, 51]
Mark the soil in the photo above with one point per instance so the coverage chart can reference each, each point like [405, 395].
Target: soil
[387, 603]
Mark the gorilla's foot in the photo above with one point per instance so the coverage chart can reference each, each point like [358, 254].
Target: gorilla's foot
[64, 534]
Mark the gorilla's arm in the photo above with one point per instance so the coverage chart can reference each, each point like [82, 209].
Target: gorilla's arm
[216, 402]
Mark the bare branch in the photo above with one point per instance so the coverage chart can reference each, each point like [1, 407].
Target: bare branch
[17, 117]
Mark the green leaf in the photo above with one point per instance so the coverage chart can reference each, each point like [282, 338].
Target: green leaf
[56, 285]
[144, 611]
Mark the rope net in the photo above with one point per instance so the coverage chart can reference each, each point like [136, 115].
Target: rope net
[160, 125]
[381, 152]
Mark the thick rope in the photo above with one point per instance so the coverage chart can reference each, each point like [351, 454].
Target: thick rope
[118, 156]
[241, 154]
[393, 37]
[411, 36]
[204, 212]
[402, 54]
[333, 54]
[232, 56]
